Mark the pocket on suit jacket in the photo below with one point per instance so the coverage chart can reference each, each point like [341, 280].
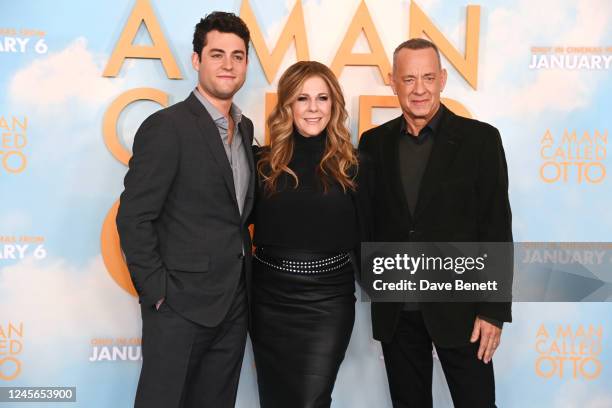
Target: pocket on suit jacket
[184, 264]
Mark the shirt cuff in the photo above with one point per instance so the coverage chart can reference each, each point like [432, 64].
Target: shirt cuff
[494, 322]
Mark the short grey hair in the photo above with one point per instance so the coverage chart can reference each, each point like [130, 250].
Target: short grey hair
[417, 44]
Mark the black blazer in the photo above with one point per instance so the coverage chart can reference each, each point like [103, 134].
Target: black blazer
[178, 221]
[463, 197]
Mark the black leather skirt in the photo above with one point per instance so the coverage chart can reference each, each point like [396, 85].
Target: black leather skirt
[302, 319]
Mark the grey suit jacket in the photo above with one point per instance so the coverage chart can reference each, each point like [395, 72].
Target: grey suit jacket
[179, 224]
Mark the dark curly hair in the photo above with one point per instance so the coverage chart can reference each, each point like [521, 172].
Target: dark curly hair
[222, 22]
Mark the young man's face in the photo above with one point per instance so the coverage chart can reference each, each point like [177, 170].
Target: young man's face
[222, 65]
[418, 80]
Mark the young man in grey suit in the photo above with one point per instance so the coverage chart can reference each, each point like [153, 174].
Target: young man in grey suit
[182, 224]
[440, 178]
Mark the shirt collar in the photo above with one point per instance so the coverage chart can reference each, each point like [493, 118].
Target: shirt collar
[430, 128]
[217, 116]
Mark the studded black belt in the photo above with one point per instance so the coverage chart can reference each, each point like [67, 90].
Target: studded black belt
[288, 260]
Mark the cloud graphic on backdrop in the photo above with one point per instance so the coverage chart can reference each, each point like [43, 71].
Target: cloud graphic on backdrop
[574, 394]
[62, 306]
[72, 75]
[510, 33]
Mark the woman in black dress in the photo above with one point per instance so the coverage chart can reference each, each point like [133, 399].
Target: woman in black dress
[306, 225]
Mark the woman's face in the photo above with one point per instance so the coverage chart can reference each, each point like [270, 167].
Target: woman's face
[312, 108]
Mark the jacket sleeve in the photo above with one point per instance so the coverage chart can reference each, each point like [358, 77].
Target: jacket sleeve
[367, 174]
[495, 217]
[364, 197]
[152, 169]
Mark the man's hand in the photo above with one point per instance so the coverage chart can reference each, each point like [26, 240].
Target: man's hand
[159, 303]
[489, 338]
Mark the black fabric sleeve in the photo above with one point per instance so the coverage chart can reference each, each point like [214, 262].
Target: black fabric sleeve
[495, 217]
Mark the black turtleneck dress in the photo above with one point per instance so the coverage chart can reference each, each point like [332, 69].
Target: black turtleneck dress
[302, 323]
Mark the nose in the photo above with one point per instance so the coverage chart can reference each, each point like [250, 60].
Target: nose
[228, 64]
[312, 105]
[419, 86]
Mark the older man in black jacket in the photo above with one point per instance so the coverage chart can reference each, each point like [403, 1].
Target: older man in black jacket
[439, 178]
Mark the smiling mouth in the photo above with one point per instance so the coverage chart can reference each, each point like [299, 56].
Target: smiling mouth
[312, 121]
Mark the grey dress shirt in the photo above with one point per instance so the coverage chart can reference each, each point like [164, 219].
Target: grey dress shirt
[236, 152]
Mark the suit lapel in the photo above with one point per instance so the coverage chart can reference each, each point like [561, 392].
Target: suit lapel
[247, 141]
[211, 135]
[394, 175]
[442, 155]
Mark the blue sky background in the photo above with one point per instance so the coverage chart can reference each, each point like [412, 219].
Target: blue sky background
[72, 179]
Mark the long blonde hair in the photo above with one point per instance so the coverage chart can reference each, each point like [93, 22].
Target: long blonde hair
[338, 162]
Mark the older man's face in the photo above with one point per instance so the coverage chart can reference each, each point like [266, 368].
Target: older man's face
[418, 80]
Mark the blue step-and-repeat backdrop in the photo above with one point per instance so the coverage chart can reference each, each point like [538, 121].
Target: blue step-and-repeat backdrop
[78, 77]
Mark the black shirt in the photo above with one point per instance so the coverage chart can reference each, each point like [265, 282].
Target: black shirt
[414, 154]
[306, 218]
